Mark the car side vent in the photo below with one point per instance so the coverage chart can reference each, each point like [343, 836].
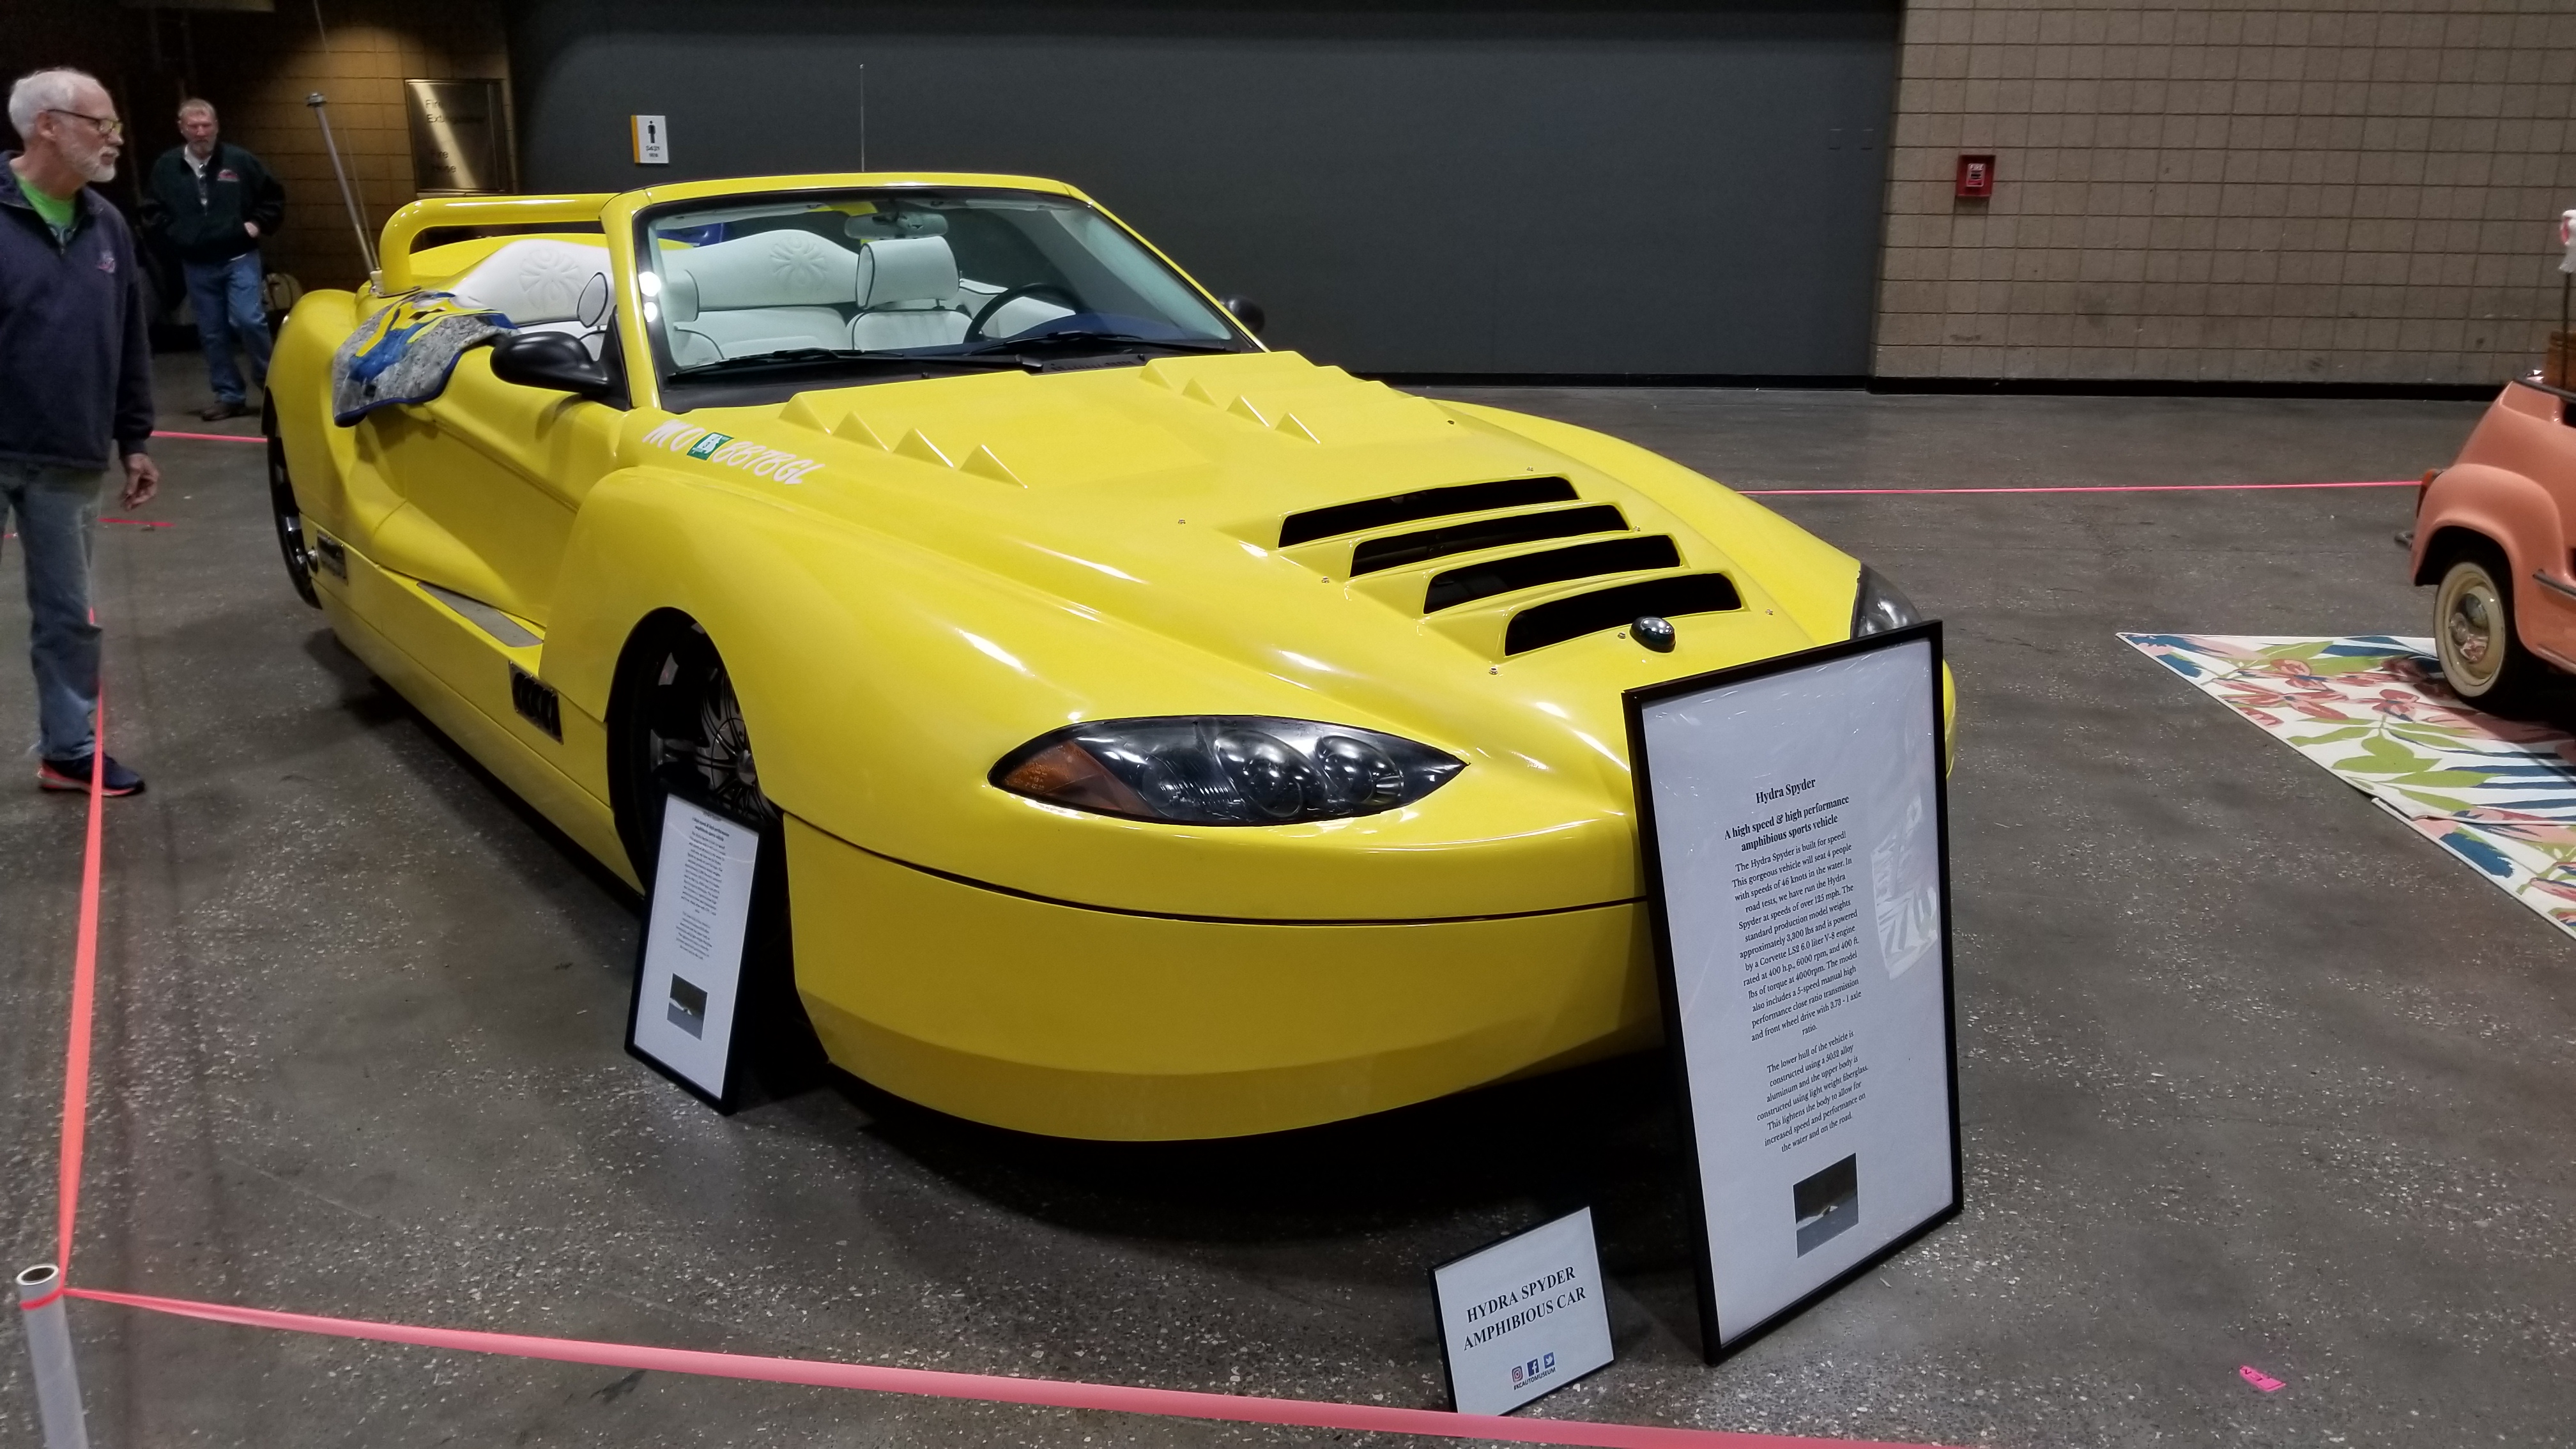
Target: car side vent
[1413, 548]
[1370, 513]
[535, 702]
[1558, 620]
[1555, 566]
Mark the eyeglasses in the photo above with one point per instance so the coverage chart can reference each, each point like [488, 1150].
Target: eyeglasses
[108, 126]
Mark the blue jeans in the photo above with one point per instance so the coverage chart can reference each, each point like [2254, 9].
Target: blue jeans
[56, 512]
[226, 297]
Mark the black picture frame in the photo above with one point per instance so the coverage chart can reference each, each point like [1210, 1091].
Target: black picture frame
[737, 1076]
[1712, 1347]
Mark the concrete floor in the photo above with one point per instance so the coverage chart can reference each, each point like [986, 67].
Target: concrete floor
[2251, 1075]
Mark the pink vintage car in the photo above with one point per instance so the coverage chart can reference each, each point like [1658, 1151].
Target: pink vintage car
[2494, 532]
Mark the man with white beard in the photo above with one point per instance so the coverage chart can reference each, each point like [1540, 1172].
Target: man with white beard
[76, 370]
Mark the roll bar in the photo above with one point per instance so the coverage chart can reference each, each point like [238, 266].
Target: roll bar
[432, 213]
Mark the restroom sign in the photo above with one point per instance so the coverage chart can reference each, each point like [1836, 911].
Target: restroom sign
[652, 140]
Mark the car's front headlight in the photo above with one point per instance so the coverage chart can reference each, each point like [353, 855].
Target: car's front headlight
[1880, 606]
[1224, 770]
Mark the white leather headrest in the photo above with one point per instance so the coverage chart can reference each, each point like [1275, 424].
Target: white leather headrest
[907, 269]
[769, 269]
[533, 280]
[680, 296]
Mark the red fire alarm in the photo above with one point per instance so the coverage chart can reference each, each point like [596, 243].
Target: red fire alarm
[1977, 177]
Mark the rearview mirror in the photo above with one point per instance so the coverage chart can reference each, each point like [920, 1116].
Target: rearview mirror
[1248, 312]
[551, 360]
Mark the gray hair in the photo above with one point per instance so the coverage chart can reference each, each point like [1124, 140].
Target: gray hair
[45, 90]
[197, 103]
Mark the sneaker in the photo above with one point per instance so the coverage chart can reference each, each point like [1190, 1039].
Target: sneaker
[222, 410]
[74, 775]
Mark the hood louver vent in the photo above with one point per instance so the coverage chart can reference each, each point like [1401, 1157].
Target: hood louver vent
[1558, 620]
[1370, 513]
[1555, 566]
[1431, 543]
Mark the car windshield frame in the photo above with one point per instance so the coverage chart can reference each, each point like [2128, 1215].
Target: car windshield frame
[746, 381]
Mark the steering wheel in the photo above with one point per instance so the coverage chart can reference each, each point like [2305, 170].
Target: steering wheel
[975, 329]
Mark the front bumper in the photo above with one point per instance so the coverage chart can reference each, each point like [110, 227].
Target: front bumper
[1065, 1020]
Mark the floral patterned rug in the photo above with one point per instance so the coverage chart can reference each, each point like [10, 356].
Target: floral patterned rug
[2498, 793]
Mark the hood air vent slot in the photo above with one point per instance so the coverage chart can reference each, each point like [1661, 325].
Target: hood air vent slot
[1558, 620]
[1370, 513]
[1555, 566]
[1412, 548]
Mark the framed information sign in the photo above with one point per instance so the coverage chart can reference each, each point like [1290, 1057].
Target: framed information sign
[688, 988]
[1794, 817]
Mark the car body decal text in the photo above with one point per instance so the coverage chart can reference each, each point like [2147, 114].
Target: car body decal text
[730, 451]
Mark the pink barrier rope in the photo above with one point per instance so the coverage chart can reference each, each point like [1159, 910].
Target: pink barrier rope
[932, 1383]
[992, 1388]
[76, 1051]
[211, 437]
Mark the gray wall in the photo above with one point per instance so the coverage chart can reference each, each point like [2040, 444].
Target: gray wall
[1417, 187]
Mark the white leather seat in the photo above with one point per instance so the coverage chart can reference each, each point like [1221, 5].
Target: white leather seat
[767, 292]
[906, 287]
[534, 280]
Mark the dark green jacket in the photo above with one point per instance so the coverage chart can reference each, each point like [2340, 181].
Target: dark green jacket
[207, 226]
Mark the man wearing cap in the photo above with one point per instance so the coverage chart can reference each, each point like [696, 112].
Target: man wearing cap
[76, 374]
[214, 201]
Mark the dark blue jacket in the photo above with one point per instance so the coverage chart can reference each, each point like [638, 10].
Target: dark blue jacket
[205, 225]
[75, 358]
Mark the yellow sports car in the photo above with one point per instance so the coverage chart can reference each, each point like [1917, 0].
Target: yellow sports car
[1163, 737]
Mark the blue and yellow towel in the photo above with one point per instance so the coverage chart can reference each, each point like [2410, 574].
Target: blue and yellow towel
[404, 353]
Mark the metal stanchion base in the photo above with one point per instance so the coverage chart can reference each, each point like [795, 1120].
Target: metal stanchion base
[49, 1348]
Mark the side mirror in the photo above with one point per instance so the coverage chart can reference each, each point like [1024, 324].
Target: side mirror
[1248, 312]
[552, 360]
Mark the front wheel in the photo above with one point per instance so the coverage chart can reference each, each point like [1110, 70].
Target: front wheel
[2473, 632]
[284, 509]
[680, 731]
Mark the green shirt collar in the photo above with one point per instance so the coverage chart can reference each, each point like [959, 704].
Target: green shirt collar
[56, 210]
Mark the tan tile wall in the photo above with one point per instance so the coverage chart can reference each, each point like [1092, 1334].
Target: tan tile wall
[2302, 191]
[260, 67]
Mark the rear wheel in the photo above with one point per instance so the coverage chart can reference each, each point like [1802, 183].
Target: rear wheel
[680, 731]
[2473, 631]
[282, 505]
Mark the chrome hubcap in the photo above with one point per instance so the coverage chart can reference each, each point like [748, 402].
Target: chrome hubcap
[2472, 629]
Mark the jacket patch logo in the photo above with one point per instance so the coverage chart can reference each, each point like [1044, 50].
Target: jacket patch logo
[731, 452]
[107, 261]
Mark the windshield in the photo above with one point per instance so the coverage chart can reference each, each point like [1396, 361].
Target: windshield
[935, 277]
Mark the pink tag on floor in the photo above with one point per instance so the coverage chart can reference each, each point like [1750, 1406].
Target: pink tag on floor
[2259, 1379]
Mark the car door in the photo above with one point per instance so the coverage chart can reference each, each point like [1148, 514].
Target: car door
[491, 474]
[2548, 621]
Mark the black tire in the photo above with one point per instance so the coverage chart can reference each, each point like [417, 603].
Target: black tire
[288, 514]
[2477, 636]
[677, 729]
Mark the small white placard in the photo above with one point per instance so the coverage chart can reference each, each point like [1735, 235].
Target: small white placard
[1524, 1317]
[685, 995]
[1795, 835]
[652, 141]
